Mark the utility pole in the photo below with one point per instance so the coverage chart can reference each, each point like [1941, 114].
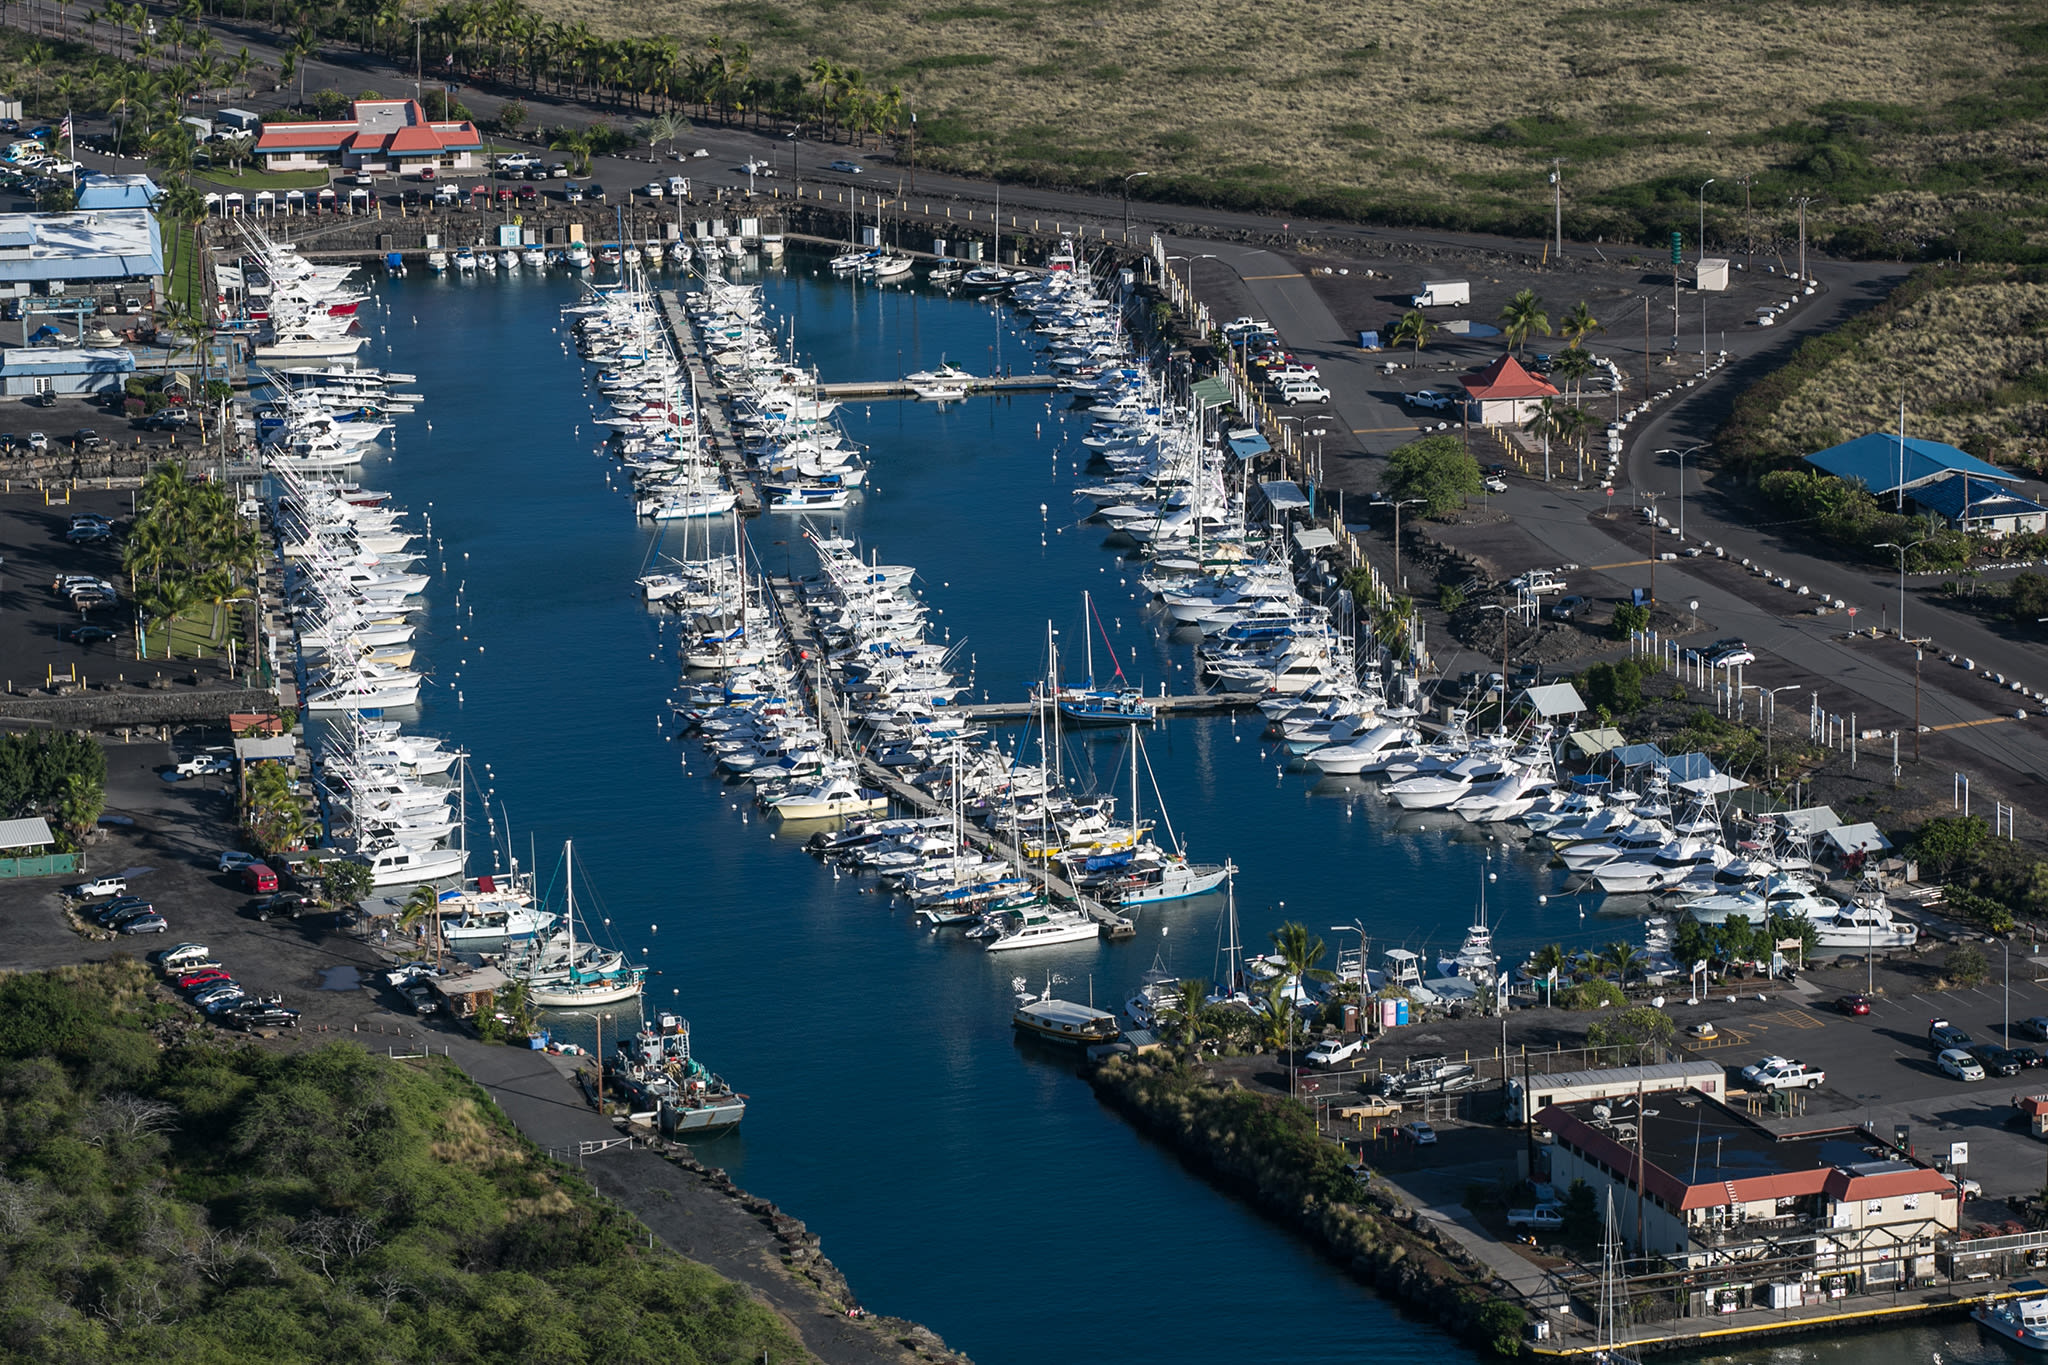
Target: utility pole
[1557, 200]
[1748, 227]
[913, 151]
[1802, 201]
[1646, 349]
[1916, 704]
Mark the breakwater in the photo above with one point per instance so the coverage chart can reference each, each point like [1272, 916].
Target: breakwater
[1268, 1151]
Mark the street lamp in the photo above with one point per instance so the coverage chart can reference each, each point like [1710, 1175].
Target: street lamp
[1703, 216]
[1134, 175]
[1397, 506]
[1770, 708]
[1894, 545]
[1681, 454]
[598, 1051]
[1503, 609]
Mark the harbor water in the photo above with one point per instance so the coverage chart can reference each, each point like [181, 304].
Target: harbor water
[957, 1175]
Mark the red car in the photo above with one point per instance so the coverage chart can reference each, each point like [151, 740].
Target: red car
[1853, 1004]
[196, 979]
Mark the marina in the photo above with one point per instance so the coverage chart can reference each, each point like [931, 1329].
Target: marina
[1245, 790]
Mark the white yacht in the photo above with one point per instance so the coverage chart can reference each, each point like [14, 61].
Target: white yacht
[1040, 926]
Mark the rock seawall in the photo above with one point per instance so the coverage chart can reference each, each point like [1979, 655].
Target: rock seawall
[1267, 1150]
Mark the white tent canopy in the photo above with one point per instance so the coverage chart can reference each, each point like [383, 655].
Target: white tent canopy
[1555, 699]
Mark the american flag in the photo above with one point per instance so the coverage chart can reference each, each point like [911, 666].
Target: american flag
[64, 128]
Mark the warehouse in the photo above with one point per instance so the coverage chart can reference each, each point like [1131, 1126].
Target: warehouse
[65, 373]
[56, 253]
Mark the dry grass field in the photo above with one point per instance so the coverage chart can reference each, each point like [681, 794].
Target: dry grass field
[1967, 351]
[1450, 111]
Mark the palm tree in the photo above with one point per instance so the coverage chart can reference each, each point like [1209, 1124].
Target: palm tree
[1299, 952]
[423, 905]
[1573, 366]
[304, 44]
[1414, 329]
[1522, 315]
[825, 72]
[1579, 324]
[1194, 998]
[1624, 959]
[1543, 424]
[663, 128]
[38, 59]
[1277, 1024]
[577, 143]
[1570, 426]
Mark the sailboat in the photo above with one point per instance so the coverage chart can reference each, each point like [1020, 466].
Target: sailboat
[1613, 1295]
[579, 987]
[1175, 878]
[1094, 706]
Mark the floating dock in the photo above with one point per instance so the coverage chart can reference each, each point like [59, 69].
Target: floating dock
[1193, 704]
[796, 620]
[714, 422]
[897, 388]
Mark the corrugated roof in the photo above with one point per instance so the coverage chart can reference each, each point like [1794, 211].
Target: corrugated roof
[1555, 699]
[1944, 496]
[1863, 838]
[1636, 755]
[1882, 463]
[1282, 495]
[1600, 741]
[30, 833]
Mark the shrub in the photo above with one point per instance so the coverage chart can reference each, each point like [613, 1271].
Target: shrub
[1438, 470]
[330, 104]
[511, 117]
[1966, 965]
[1449, 598]
[1502, 1325]
[1629, 618]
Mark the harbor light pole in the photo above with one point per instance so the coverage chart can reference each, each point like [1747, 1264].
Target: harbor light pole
[1134, 175]
[1703, 216]
[1894, 545]
[1681, 454]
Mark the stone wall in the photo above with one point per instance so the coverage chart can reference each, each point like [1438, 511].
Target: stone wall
[126, 708]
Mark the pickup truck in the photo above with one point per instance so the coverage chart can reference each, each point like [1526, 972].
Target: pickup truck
[105, 886]
[1331, 1051]
[1545, 1216]
[1538, 581]
[204, 765]
[1782, 1073]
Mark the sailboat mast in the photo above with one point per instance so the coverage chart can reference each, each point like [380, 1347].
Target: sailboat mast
[1088, 635]
[569, 893]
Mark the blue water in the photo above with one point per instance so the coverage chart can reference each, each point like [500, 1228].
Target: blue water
[957, 1175]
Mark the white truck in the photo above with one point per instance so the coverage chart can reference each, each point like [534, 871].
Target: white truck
[1782, 1073]
[1443, 294]
[1537, 582]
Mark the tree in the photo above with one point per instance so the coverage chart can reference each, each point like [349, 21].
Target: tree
[1194, 998]
[1947, 840]
[1644, 1030]
[1522, 315]
[422, 906]
[577, 143]
[1574, 367]
[348, 882]
[511, 117]
[1414, 329]
[1299, 952]
[1438, 470]
[1628, 619]
[1966, 965]
[1623, 959]
[1579, 324]
[2028, 601]
[1544, 423]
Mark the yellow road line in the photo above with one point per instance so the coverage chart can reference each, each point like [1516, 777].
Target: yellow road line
[1290, 275]
[1367, 431]
[1966, 724]
[1624, 564]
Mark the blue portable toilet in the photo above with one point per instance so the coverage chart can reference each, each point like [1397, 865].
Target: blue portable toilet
[1639, 597]
[1368, 341]
[1400, 1013]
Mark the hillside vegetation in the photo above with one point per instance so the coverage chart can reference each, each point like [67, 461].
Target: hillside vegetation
[1918, 123]
[202, 1202]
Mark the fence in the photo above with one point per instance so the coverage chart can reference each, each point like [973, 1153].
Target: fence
[45, 865]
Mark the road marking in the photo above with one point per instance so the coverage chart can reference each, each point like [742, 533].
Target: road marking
[1967, 724]
[1290, 275]
[1370, 431]
[1624, 564]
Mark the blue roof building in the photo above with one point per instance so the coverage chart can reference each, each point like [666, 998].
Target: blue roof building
[1992, 509]
[1885, 464]
[31, 370]
[99, 245]
[102, 191]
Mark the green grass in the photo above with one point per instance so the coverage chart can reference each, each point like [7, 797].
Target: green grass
[251, 180]
[201, 633]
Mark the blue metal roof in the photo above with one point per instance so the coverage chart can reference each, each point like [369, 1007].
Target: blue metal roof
[1251, 443]
[118, 192]
[1882, 463]
[1945, 496]
[1687, 767]
[1636, 755]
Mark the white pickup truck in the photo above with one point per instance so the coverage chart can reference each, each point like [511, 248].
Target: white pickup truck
[1782, 1073]
[205, 765]
[1538, 581]
[1545, 1216]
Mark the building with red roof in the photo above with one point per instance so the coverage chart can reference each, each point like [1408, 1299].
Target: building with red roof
[1504, 394]
[1697, 1184]
[383, 136]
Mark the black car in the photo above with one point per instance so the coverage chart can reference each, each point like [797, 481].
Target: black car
[2035, 1028]
[126, 916]
[594, 192]
[2027, 1057]
[255, 1014]
[85, 438]
[88, 635]
[284, 905]
[89, 535]
[1997, 1060]
[1566, 608]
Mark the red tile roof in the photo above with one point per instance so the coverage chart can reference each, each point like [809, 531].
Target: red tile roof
[315, 137]
[1505, 378]
[414, 137]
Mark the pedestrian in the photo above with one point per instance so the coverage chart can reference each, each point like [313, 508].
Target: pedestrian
[383, 936]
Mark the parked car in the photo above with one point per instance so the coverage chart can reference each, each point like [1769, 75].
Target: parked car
[258, 879]
[184, 957]
[284, 905]
[87, 635]
[144, 924]
[653, 189]
[1429, 400]
[1783, 1073]
[234, 860]
[1853, 1004]
[573, 194]
[1493, 484]
[102, 886]
[1945, 1035]
[1331, 1051]
[1419, 1133]
[204, 765]
[1996, 1060]
[37, 441]
[1960, 1064]
[250, 1015]
[192, 981]
[2035, 1028]
[1732, 658]
[2027, 1057]
[114, 916]
[845, 167]
[1548, 1217]
[1304, 393]
[1567, 608]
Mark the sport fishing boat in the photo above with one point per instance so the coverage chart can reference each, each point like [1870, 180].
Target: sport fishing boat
[657, 1070]
[2023, 1322]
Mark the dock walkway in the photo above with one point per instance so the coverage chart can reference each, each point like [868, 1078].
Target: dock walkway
[802, 632]
[715, 421]
[1195, 703]
[897, 388]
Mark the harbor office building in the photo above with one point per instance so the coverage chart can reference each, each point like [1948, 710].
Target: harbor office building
[1772, 1222]
[381, 137]
[79, 257]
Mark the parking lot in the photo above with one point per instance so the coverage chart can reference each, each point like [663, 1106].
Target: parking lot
[34, 617]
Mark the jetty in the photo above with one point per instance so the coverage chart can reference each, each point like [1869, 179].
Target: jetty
[802, 632]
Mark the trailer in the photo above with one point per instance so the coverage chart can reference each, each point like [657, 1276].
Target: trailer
[1443, 293]
[1570, 1087]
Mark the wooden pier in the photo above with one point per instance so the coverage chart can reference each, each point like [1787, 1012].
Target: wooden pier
[1193, 704]
[714, 421]
[897, 388]
[802, 631]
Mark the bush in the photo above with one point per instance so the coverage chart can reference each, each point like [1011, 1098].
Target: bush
[512, 117]
[1617, 686]
[1449, 598]
[1966, 965]
[1593, 995]
[1945, 841]
[1438, 470]
[1630, 618]
[1502, 1326]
